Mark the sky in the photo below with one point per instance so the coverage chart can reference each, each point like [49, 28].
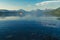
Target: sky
[29, 4]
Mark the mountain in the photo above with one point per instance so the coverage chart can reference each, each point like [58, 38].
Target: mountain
[22, 12]
[37, 12]
[55, 12]
[7, 13]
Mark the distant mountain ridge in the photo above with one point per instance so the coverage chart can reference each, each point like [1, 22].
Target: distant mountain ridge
[37, 12]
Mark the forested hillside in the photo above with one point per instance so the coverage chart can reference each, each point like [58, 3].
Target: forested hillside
[55, 12]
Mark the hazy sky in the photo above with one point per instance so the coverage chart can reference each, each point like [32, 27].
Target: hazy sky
[29, 4]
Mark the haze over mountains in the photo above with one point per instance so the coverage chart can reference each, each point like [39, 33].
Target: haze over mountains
[36, 12]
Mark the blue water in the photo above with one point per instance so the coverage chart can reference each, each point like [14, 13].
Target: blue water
[27, 30]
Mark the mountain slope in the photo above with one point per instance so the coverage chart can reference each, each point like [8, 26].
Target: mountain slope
[55, 12]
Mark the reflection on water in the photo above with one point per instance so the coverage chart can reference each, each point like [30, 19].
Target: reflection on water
[28, 28]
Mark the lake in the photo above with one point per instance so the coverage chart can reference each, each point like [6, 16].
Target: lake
[29, 28]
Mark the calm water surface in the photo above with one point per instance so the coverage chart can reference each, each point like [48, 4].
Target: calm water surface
[35, 29]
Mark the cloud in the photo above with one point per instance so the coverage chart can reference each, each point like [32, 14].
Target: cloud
[46, 3]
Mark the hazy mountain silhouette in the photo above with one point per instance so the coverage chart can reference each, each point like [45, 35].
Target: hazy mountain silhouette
[37, 12]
